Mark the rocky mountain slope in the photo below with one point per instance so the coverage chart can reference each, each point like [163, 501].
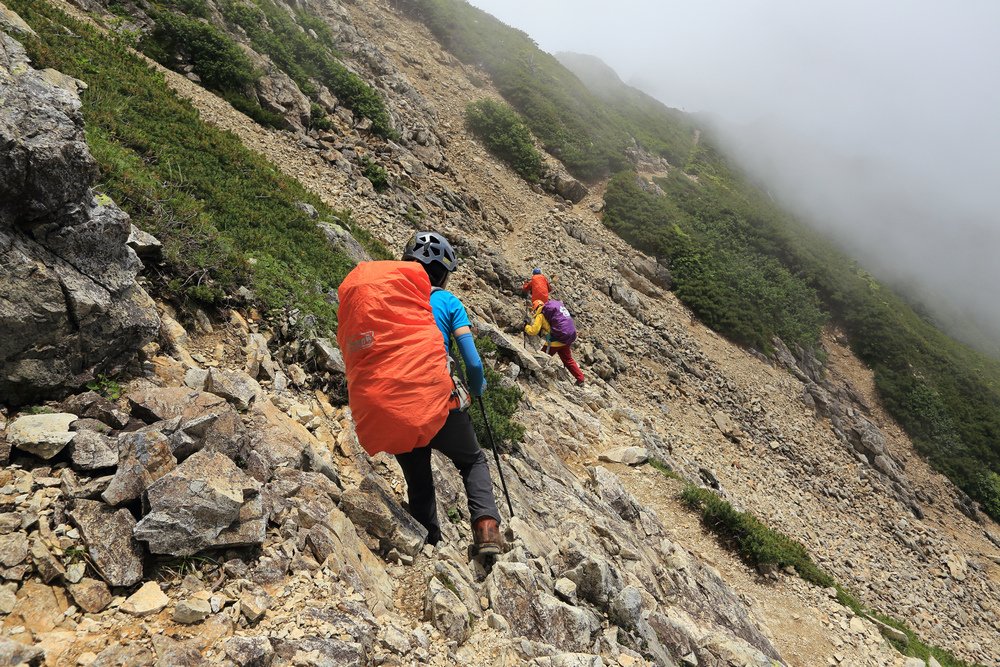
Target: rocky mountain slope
[295, 548]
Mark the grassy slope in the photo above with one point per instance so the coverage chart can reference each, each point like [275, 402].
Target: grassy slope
[746, 267]
[226, 216]
[588, 135]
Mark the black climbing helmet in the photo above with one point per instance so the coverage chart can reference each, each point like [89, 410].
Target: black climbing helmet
[430, 247]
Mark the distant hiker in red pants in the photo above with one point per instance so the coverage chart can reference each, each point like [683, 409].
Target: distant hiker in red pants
[555, 324]
[538, 285]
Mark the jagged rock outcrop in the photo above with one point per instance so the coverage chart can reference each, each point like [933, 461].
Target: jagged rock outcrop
[70, 307]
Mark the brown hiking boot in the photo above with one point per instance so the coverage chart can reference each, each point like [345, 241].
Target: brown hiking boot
[486, 536]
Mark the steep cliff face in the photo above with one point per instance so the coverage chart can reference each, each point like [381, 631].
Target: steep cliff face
[70, 307]
[312, 559]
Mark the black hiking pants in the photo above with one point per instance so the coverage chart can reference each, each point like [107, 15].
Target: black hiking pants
[457, 441]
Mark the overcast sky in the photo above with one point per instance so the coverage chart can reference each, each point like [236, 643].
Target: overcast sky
[877, 120]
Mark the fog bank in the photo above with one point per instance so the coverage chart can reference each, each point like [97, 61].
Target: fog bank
[875, 121]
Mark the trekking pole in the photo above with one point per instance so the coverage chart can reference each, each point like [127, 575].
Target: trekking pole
[496, 453]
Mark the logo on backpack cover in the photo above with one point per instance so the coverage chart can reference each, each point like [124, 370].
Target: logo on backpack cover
[364, 341]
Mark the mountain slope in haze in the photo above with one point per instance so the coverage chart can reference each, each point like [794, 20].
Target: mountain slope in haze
[602, 569]
[946, 395]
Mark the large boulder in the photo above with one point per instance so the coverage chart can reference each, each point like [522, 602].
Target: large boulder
[43, 435]
[70, 306]
[192, 505]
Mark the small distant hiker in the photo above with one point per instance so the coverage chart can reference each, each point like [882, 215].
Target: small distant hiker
[553, 322]
[538, 286]
[396, 320]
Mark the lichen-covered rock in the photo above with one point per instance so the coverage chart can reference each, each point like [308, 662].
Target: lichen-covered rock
[515, 593]
[250, 651]
[108, 535]
[92, 450]
[144, 457]
[70, 307]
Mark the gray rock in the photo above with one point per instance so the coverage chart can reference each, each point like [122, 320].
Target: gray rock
[342, 239]
[566, 187]
[655, 272]
[379, 513]
[128, 655]
[10, 21]
[597, 581]
[91, 451]
[725, 425]
[194, 378]
[249, 529]
[235, 386]
[275, 441]
[446, 612]
[4, 449]
[328, 356]
[75, 309]
[13, 549]
[627, 298]
[16, 653]
[143, 458]
[190, 506]
[277, 93]
[192, 611]
[91, 405]
[108, 535]
[610, 489]
[250, 651]
[331, 652]
[157, 404]
[566, 590]
[43, 435]
[258, 359]
[46, 564]
[220, 430]
[254, 604]
[173, 653]
[146, 246]
[632, 456]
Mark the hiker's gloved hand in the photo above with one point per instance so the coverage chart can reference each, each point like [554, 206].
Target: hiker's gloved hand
[473, 364]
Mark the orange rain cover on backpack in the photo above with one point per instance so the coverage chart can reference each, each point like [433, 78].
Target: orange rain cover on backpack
[398, 383]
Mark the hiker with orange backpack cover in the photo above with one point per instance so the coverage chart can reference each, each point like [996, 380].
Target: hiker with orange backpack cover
[396, 321]
[537, 285]
[554, 323]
